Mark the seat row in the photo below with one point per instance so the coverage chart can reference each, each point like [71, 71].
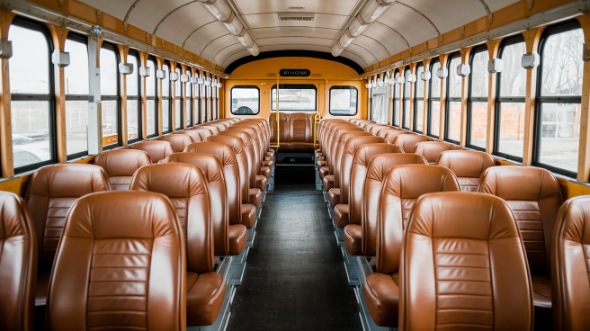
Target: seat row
[383, 186]
[118, 259]
[292, 132]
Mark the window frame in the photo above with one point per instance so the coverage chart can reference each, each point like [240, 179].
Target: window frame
[432, 99]
[406, 100]
[417, 98]
[136, 98]
[470, 99]
[449, 99]
[50, 97]
[167, 112]
[231, 97]
[293, 86]
[342, 87]
[549, 31]
[112, 47]
[395, 97]
[152, 59]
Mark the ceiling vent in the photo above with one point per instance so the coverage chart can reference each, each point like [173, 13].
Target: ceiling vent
[299, 17]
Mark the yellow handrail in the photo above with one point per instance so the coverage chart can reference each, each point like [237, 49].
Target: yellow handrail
[316, 122]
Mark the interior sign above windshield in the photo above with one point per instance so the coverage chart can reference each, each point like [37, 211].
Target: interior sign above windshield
[295, 72]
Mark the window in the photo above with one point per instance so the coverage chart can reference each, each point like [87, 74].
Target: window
[453, 118]
[245, 100]
[380, 103]
[344, 101]
[395, 92]
[557, 126]
[109, 89]
[188, 97]
[31, 79]
[294, 98]
[166, 106]
[419, 100]
[198, 99]
[178, 104]
[510, 100]
[434, 100]
[477, 103]
[406, 101]
[133, 99]
[151, 90]
[77, 94]
[204, 95]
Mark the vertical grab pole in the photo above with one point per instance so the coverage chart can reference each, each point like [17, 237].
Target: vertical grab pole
[277, 117]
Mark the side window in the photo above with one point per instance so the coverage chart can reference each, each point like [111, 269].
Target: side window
[434, 101]
[245, 100]
[343, 100]
[166, 106]
[509, 124]
[77, 92]
[419, 100]
[453, 119]
[557, 125]
[32, 105]
[406, 100]
[477, 103]
[151, 88]
[395, 93]
[178, 104]
[188, 97]
[109, 89]
[133, 99]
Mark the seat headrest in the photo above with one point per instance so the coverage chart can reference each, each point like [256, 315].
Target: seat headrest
[68, 180]
[410, 181]
[122, 162]
[466, 163]
[170, 179]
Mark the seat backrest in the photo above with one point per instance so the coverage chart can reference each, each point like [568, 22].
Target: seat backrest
[194, 134]
[431, 150]
[346, 162]
[249, 152]
[301, 127]
[18, 263]
[407, 141]
[379, 166]
[340, 144]
[178, 141]
[204, 132]
[229, 166]
[402, 186]
[468, 166]
[187, 188]
[463, 266]
[238, 148]
[214, 129]
[255, 148]
[358, 172]
[282, 128]
[569, 267]
[157, 149]
[534, 196]
[213, 174]
[52, 191]
[120, 265]
[121, 164]
[391, 135]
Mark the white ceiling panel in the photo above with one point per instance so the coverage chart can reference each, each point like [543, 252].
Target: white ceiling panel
[406, 23]
[178, 25]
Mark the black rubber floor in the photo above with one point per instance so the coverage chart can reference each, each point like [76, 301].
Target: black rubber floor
[295, 277]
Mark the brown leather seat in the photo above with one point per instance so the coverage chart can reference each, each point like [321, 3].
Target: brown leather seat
[534, 196]
[194, 134]
[407, 141]
[188, 189]
[363, 234]
[463, 266]
[120, 265]
[204, 132]
[569, 270]
[332, 180]
[391, 135]
[52, 191]
[248, 210]
[228, 239]
[431, 150]
[341, 210]
[121, 164]
[157, 149]
[214, 129]
[178, 140]
[402, 186]
[254, 193]
[468, 166]
[18, 264]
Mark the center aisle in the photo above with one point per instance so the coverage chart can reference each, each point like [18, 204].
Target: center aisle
[295, 278]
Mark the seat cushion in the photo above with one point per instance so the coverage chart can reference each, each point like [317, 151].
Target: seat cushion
[541, 292]
[237, 234]
[204, 297]
[248, 215]
[255, 196]
[321, 163]
[324, 171]
[265, 171]
[334, 196]
[353, 239]
[341, 211]
[381, 292]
